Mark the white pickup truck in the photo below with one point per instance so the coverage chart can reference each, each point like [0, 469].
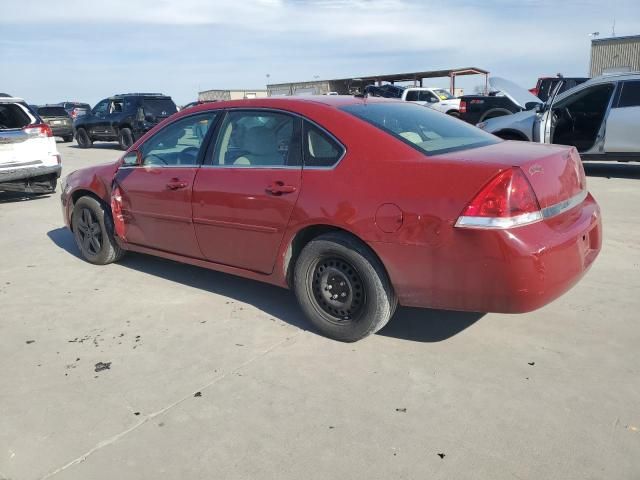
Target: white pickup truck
[29, 158]
[436, 98]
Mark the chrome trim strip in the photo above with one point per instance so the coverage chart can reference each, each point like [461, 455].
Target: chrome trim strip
[499, 222]
[565, 205]
[525, 218]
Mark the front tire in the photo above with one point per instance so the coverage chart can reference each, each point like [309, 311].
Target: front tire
[94, 233]
[343, 288]
[125, 138]
[83, 139]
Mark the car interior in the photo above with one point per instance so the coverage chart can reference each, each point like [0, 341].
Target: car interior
[577, 118]
[179, 143]
[255, 139]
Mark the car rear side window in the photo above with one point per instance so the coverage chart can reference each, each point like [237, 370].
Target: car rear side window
[422, 128]
[630, 96]
[13, 116]
[320, 150]
[258, 139]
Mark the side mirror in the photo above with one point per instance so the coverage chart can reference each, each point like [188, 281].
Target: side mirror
[533, 106]
[132, 159]
[433, 100]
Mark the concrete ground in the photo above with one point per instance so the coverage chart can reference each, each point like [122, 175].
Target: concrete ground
[211, 376]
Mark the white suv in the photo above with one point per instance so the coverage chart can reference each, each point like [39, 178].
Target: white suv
[436, 98]
[29, 158]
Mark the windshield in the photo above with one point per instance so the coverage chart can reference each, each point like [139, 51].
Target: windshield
[443, 94]
[52, 112]
[424, 129]
[159, 107]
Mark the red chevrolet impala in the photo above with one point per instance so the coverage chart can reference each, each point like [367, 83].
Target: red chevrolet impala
[356, 204]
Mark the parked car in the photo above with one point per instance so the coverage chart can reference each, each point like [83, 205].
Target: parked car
[546, 85]
[29, 158]
[123, 118]
[386, 91]
[358, 217]
[58, 119]
[76, 109]
[600, 118]
[436, 98]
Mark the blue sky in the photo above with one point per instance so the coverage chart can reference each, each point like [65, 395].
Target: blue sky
[82, 50]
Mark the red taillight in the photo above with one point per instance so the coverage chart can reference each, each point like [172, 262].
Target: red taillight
[508, 200]
[463, 106]
[535, 91]
[38, 130]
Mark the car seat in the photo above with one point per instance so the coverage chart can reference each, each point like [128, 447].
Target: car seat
[261, 147]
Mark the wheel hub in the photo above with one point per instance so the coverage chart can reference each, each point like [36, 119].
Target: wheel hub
[338, 289]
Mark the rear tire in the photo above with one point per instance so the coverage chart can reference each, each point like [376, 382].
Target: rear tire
[343, 288]
[94, 233]
[454, 113]
[125, 138]
[83, 139]
[67, 138]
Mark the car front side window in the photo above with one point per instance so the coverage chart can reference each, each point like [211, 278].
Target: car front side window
[178, 144]
[101, 108]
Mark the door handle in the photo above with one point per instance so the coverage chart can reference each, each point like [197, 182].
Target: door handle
[176, 184]
[279, 188]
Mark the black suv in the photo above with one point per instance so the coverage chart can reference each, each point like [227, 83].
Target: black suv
[123, 118]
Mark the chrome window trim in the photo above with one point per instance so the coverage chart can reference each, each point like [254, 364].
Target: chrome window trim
[295, 114]
[501, 223]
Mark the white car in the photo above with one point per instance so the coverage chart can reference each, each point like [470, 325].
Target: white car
[29, 158]
[436, 98]
[600, 117]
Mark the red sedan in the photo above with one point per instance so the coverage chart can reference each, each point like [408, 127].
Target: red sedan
[356, 204]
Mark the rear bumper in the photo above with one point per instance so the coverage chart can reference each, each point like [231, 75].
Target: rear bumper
[504, 271]
[62, 131]
[30, 179]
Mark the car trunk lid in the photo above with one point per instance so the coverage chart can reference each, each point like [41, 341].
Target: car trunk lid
[555, 172]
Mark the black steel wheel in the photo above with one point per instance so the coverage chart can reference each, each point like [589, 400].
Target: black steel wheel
[93, 231]
[338, 289]
[342, 287]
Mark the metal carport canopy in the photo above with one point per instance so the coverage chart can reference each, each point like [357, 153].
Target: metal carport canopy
[418, 76]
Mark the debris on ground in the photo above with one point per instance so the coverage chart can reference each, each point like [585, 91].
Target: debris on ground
[29, 342]
[531, 363]
[100, 366]
[197, 394]
[403, 410]
[441, 455]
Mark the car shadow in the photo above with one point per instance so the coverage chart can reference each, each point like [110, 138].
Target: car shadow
[415, 324]
[13, 197]
[99, 146]
[612, 170]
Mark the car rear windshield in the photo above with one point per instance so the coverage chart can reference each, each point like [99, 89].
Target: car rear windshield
[159, 106]
[423, 128]
[13, 116]
[52, 112]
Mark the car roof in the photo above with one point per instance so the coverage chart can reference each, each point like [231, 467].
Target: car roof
[618, 77]
[11, 100]
[276, 102]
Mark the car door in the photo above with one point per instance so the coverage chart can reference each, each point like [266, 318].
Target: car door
[577, 119]
[623, 123]
[245, 193]
[97, 121]
[154, 187]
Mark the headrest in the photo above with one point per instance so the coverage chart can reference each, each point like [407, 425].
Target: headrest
[260, 141]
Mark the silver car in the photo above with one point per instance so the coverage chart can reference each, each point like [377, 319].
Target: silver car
[600, 117]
